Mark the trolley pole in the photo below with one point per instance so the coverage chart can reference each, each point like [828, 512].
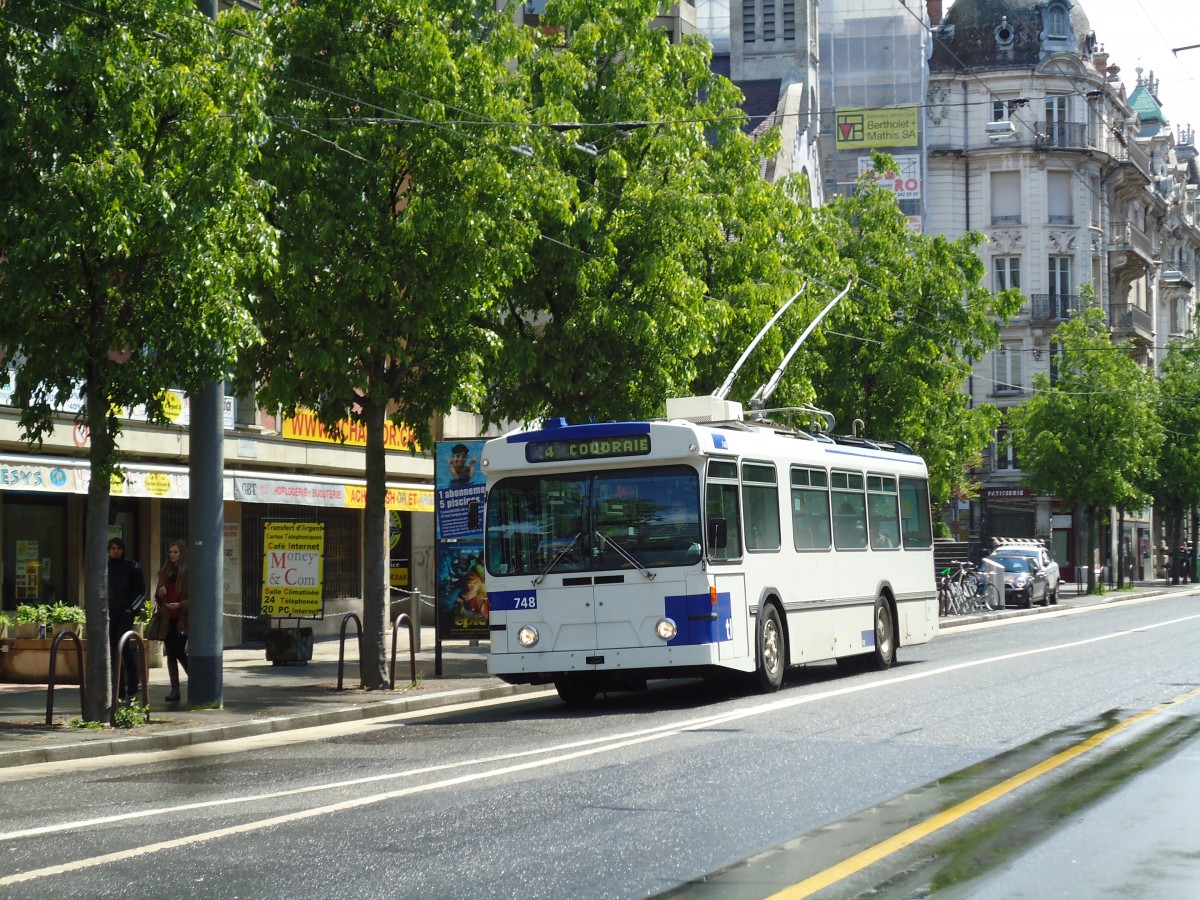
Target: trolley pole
[206, 530]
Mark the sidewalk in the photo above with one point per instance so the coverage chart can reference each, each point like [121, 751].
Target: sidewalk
[260, 697]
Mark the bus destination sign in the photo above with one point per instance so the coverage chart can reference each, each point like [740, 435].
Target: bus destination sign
[598, 448]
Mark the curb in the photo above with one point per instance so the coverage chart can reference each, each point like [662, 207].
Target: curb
[1080, 601]
[186, 737]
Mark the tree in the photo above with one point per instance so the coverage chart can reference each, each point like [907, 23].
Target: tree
[917, 316]
[1092, 438]
[400, 221]
[1176, 486]
[665, 252]
[129, 224]
[662, 250]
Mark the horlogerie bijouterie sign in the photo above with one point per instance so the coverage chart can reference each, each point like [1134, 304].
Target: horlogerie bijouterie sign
[293, 569]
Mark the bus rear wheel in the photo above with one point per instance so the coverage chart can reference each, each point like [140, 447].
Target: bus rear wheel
[885, 635]
[769, 672]
[576, 690]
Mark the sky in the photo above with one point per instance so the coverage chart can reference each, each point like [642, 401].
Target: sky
[1143, 33]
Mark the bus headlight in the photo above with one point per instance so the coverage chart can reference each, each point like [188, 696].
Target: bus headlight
[666, 629]
[527, 635]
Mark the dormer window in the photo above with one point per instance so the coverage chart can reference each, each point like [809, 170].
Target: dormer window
[1056, 22]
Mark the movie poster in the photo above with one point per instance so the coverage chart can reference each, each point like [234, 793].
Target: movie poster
[460, 492]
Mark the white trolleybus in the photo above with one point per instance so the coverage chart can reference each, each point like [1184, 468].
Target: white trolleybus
[699, 545]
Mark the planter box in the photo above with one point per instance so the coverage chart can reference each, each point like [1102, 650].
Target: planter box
[28, 661]
[29, 631]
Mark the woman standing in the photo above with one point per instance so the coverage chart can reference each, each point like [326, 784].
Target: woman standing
[171, 620]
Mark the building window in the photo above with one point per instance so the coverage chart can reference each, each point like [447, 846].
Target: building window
[1059, 275]
[1007, 375]
[1006, 198]
[1056, 21]
[1056, 352]
[1006, 454]
[1058, 190]
[1002, 110]
[768, 18]
[748, 21]
[1057, 130]
[1008, 272]
[789, 20]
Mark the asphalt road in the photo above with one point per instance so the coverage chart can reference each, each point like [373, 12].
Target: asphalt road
[640, 795]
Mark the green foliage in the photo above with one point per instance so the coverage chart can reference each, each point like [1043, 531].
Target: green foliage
[657, 252]
[131, 714]
[1176, 481]
[915, 320]
[1102, 410]
[130, 221]
[33, 614]
[77, 722]
[400, 222]
[62, 613]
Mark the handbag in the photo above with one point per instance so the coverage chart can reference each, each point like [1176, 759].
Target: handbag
[155, 625]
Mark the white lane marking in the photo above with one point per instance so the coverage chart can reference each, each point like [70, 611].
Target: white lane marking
[257, 741]
[578, 750]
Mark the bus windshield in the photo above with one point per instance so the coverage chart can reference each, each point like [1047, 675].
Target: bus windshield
[619, 519]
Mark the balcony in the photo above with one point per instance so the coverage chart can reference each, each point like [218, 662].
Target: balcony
[1061, 136]
[1127, 237]
[1133, 155]
[1127, 319]
[1050, 309]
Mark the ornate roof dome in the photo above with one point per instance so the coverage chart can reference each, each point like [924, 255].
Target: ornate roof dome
[995, 34]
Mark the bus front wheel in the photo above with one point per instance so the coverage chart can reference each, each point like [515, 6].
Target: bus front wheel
[576, 691]
[769, 672]
[885, 635]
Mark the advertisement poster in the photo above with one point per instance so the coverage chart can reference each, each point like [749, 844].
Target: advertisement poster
[293, 569]
[462, 590]
[874, 129]
[460, 491]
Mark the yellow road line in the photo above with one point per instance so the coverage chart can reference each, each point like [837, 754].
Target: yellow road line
[909, 836]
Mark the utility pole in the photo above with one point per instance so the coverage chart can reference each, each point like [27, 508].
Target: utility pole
[206, 531]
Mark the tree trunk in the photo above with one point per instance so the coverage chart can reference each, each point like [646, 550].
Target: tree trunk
[98, 691]
[375, 553]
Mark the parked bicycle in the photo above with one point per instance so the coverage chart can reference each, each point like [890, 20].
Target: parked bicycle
[963, 591]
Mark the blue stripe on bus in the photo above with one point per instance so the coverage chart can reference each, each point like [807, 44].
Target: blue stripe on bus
[698, 620]
[720, 441]
[575, 432]
[868, 638]
[509, 601]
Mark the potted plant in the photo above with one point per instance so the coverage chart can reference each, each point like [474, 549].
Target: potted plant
[31, 621]
[63, 617]
[154, 649]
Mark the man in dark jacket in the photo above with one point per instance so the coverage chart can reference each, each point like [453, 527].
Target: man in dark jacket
[126, 590]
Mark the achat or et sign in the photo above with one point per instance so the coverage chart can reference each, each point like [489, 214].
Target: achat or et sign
[293, 569]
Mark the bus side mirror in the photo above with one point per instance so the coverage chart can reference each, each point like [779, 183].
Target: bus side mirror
[717, 534]
[473, 515]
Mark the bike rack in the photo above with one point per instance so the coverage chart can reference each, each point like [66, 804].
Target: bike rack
[54, 664]
[412, 649]
[342, 647]
[118, 668]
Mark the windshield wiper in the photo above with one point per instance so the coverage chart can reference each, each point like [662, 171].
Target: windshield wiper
[554, 562]
[625, 554]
